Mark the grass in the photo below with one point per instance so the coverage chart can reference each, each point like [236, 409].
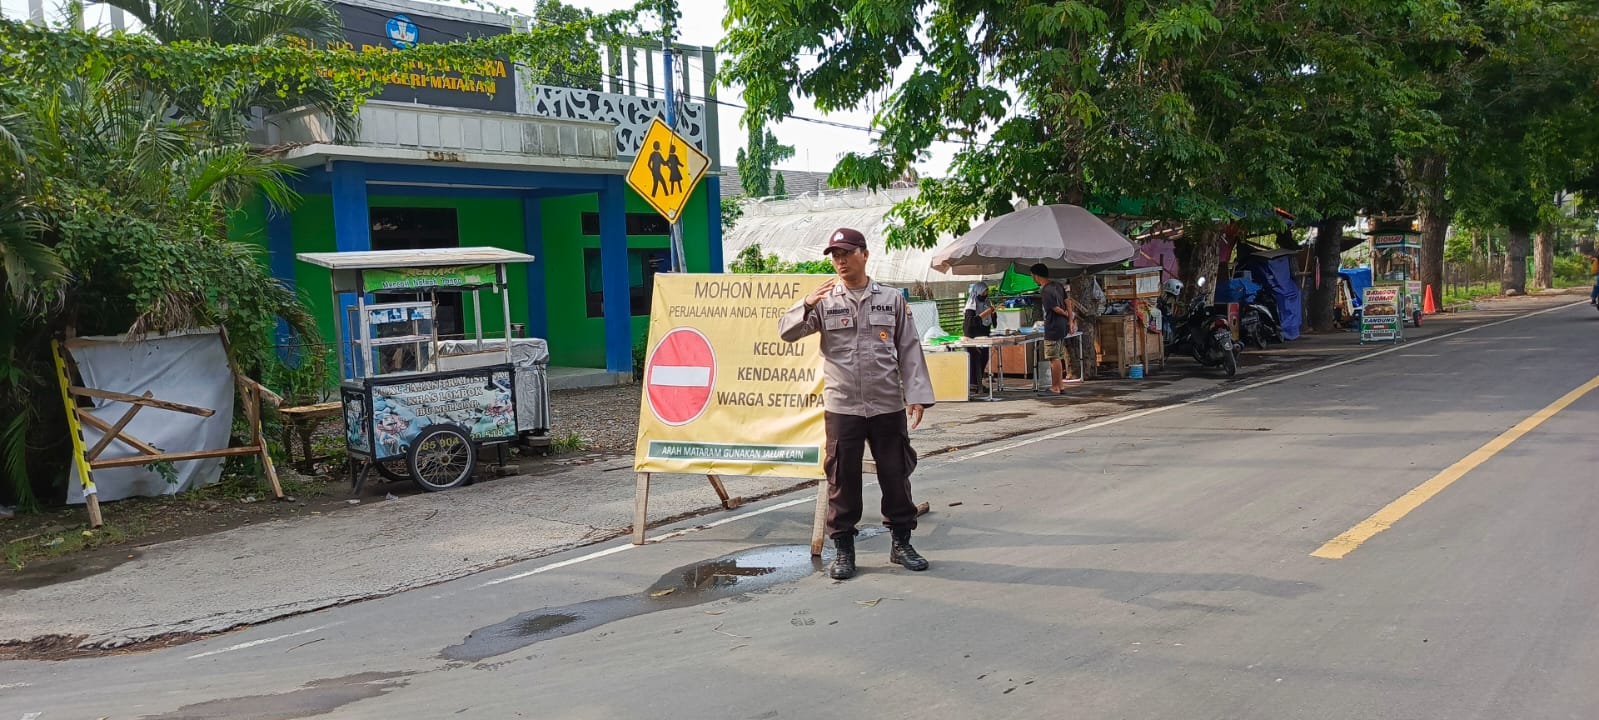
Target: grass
[66, 541]
[64, 531]
[570, 442]
[1458, 294]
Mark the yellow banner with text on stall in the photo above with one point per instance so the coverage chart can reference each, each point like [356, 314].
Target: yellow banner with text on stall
[722, 393]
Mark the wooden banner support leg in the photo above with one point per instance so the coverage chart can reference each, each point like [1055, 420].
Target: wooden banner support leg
[728, 503]
[641, 502]
[819, 519]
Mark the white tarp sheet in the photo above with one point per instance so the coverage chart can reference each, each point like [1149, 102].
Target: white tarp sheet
[797, 229]
[189, 369]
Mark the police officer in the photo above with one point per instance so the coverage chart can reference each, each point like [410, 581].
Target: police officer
[876, 389]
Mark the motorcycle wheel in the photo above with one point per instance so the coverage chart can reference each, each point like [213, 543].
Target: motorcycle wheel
[1229, 363]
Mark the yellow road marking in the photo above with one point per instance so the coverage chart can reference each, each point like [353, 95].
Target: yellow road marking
[1385, 518]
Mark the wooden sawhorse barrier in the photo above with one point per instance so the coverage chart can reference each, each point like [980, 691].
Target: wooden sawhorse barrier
[86, 459]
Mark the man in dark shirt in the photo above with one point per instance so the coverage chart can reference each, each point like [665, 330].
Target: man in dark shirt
[1058, 322]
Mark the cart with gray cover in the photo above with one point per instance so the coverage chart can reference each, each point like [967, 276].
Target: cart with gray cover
[416, 407]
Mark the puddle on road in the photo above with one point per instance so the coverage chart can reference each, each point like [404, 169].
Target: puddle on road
[727, 576]
[318, 697]
[67, 569]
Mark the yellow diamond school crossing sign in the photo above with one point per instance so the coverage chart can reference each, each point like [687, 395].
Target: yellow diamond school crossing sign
[666, 170]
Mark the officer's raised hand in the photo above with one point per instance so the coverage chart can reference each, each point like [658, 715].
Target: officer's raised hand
[820, 292]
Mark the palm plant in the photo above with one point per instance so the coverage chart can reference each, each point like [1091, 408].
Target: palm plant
[235, 22]
[102, 178]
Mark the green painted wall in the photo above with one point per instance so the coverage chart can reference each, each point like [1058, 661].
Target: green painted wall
[577, 340]
[482, 223]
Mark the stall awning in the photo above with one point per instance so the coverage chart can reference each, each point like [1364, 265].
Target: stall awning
[440, 257]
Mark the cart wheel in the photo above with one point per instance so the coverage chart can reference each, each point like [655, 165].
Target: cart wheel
[396, 470]
[442, 457]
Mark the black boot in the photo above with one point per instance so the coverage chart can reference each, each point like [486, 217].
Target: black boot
[843, 567]
[904, 554]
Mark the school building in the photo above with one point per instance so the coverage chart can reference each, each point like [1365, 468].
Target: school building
[442, 161]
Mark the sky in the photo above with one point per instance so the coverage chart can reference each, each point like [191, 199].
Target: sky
[817, 147]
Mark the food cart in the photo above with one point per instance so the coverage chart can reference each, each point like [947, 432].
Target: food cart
[1402, 251]
[414, 407]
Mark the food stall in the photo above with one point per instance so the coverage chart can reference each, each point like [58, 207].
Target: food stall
[416, 407]
[1122, 332]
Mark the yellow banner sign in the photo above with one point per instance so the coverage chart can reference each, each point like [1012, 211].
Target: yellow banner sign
[723, 394]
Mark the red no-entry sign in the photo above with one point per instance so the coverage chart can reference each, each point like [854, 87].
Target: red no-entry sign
[679, 376]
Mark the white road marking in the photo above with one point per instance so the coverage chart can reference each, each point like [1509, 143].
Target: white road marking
[8, 686]
[257, 643]
[1217, 396]
[31, 716]
[661, 538]
[1033, 440]
[680, 376]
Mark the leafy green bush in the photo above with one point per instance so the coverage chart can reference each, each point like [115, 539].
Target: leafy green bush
[750, 260]
[1573, 269]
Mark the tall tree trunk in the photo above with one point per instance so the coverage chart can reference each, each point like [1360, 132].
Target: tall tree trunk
[1087, 311]
[1435, 214]
[1324, 298]
[1514, 280]
[1543, 258]
[1205, 260]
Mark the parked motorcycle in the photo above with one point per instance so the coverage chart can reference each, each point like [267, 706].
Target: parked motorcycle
[1202, 334]
[1258, 321]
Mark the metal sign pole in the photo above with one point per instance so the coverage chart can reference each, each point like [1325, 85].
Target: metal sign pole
[668, 35]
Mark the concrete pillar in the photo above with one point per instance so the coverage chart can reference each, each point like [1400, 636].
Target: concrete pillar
[613, 277]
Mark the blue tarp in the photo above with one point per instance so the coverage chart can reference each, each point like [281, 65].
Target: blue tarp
[1359, 280]
[1238, 288]
[1276, 273]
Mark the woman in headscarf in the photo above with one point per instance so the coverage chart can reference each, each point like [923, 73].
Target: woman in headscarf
[977, 321]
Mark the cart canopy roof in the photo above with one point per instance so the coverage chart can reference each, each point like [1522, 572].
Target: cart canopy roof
[442, 257]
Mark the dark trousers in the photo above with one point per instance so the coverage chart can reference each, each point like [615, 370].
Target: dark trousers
[978, 357]
[847, 439]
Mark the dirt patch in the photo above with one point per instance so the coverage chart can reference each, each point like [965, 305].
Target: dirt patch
[67, 647]
[318, 697]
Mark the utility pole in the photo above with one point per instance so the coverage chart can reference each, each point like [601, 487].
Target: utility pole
[668, 38]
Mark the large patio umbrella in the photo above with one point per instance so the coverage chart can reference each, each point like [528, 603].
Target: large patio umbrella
[1063, 237]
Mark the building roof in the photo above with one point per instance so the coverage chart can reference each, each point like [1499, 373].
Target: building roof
[794, 181]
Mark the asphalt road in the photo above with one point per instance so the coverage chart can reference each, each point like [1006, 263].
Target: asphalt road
[1170, 563]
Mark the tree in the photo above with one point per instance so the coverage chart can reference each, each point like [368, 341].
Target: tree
[1193, 109]
[731, 212]
[581, 68]
[751, 260]
[1516, 96]
[756, 161]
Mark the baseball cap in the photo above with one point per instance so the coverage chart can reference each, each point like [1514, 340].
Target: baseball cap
[845, 239]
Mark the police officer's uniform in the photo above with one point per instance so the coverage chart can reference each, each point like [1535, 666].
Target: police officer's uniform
[873, 366]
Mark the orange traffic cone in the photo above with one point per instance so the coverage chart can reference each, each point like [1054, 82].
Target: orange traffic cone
[1428, 306]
